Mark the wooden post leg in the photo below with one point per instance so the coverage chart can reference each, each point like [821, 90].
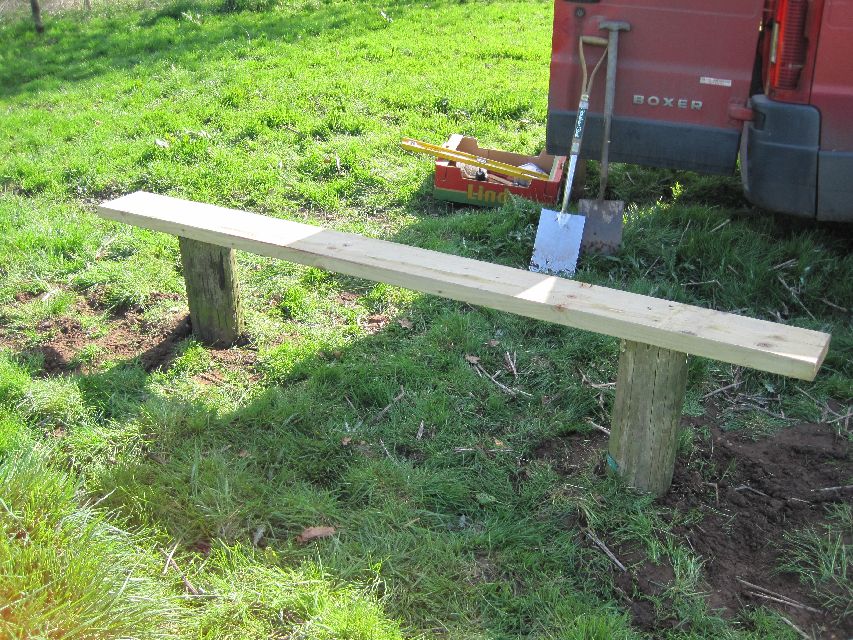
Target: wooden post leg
[644, 433]
[212, 290]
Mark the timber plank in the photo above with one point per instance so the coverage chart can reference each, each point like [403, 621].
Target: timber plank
[725, 337]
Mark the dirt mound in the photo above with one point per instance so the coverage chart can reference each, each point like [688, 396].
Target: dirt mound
[749, 493]
[571, 453]
[761, 489]
[71, 347]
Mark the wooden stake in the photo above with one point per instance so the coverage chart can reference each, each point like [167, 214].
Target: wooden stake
[212, 290]
[36, 8]
[644, 435]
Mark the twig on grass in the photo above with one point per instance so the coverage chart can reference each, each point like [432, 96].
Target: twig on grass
[651, 266]
[843, 487]
[382, 413]
[500, 385]
[595, 385]
[746, 487]
[833, 305]
[721, 389]
[809, 396]
[388, 453]
[755, 407]
[603, 430]
[290, 128]
[824, 407]
[794, 296]
[170, 562]
[846, 416]
[349, 402]
[784, 601]
[721, 225]
[510, 363]
[785, 265]
[598, 543]
[716, 489]
[475, 449]
[776, 597]
[102, 250]
[802, 633]
[102, 498]
[598, 387]
[686, 227]
[47, 296]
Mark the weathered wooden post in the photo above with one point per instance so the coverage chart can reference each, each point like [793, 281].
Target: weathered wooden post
[36, 9]
[213, 292]
[650, 388]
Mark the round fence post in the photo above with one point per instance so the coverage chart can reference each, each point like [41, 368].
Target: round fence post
[650, 389]
[212, 291]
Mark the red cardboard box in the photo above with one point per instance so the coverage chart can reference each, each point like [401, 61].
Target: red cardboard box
[451, 185]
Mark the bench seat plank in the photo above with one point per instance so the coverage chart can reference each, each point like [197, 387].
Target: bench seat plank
[726, 337]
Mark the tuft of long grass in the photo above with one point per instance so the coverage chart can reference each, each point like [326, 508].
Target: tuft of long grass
[252, 595]
[822, 558]
[67, 571]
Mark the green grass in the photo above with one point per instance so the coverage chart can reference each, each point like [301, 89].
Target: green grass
[295, 109]
[822, 559]
[67, 570]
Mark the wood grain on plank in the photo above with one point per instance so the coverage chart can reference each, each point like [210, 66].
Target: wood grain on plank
[758, 344]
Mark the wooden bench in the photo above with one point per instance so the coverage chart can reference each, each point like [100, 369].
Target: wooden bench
[657, 334]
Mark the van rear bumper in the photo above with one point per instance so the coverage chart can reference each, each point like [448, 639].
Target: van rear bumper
[779, 156]
[835, 186]
[653, 143]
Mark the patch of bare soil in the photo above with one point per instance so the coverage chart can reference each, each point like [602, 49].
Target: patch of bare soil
[572, 453]
[750, 492]
[128, 336]
[760, 490]
[228, 359]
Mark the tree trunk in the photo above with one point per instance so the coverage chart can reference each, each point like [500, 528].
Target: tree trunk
[34, 4]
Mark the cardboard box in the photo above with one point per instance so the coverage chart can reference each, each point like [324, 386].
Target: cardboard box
[451, 185]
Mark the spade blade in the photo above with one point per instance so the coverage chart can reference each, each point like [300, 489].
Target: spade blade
[603, 230]
[558, 243]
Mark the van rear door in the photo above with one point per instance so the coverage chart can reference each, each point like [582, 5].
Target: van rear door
[683, 80]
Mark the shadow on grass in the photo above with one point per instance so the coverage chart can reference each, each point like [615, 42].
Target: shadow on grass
[444, 484]
[330, 442]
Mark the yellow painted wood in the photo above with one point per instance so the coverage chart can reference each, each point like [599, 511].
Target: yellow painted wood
[758, 344]
[464, 157]
[650, 387]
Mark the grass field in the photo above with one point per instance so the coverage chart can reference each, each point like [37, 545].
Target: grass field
[352, 405]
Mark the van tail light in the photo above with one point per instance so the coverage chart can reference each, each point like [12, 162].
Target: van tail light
[788, 46]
